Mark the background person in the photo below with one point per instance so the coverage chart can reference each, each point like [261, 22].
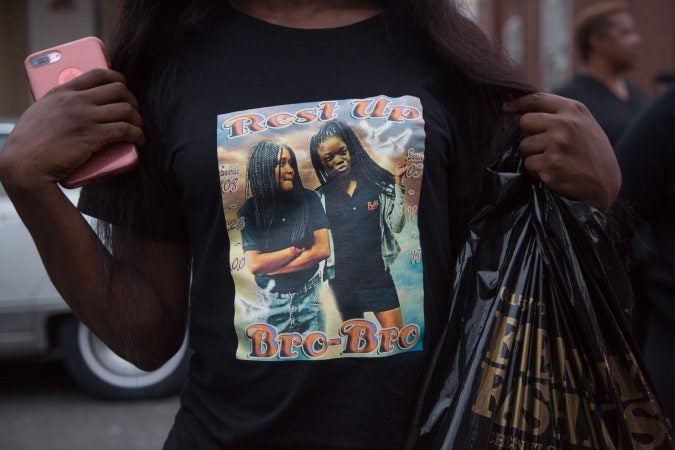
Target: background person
[609, 46]
[189, 61]
[647, 158]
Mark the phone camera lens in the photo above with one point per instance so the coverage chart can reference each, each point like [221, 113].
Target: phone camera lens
[42, 60]
[45, 59]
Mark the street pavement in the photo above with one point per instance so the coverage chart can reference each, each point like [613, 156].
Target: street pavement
[41, 408]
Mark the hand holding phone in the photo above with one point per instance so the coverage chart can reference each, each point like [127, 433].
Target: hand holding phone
[58, 65]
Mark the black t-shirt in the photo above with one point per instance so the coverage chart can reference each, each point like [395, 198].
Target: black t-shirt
[612, 113]
[280, 235]
[246, 78]
[355, 223]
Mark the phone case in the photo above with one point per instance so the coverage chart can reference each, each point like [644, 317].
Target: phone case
[57, 65]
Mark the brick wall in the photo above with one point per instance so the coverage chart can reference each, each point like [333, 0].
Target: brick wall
[655, 21]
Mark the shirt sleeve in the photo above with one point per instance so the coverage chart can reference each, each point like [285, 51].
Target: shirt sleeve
[395, 210]
[318, 218]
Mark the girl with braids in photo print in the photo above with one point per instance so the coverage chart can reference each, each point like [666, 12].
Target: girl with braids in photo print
[364, 204]
[284, 238]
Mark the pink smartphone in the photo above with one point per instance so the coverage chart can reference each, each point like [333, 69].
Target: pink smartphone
[57, 65]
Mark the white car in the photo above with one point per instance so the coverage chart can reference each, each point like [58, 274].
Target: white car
[36, 322]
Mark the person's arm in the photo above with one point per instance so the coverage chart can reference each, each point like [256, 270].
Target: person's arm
[565, 148]
[319, 251]
[135, 302]
[268, 263]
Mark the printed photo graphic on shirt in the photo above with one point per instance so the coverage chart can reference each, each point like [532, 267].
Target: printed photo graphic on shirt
[320, 202]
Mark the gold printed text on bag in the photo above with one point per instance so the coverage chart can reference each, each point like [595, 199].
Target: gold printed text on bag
[554, 392]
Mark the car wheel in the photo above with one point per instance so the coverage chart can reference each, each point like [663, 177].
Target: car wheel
[104, 374]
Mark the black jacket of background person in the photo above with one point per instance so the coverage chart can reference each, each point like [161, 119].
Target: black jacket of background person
[612, 113]
[647, 158]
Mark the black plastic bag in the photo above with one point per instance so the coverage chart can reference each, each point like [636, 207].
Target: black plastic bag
[537, 353]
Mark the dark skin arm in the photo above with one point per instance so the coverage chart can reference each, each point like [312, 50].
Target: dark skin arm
[319, 251]
[135, 301]
[265, 263]
[565, 148]
[286, 260]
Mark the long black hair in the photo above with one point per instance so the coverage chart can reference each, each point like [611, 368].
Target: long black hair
[262, 187]
[362, 166]
[150, 39]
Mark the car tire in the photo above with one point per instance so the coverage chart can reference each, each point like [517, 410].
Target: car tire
[102, 373]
